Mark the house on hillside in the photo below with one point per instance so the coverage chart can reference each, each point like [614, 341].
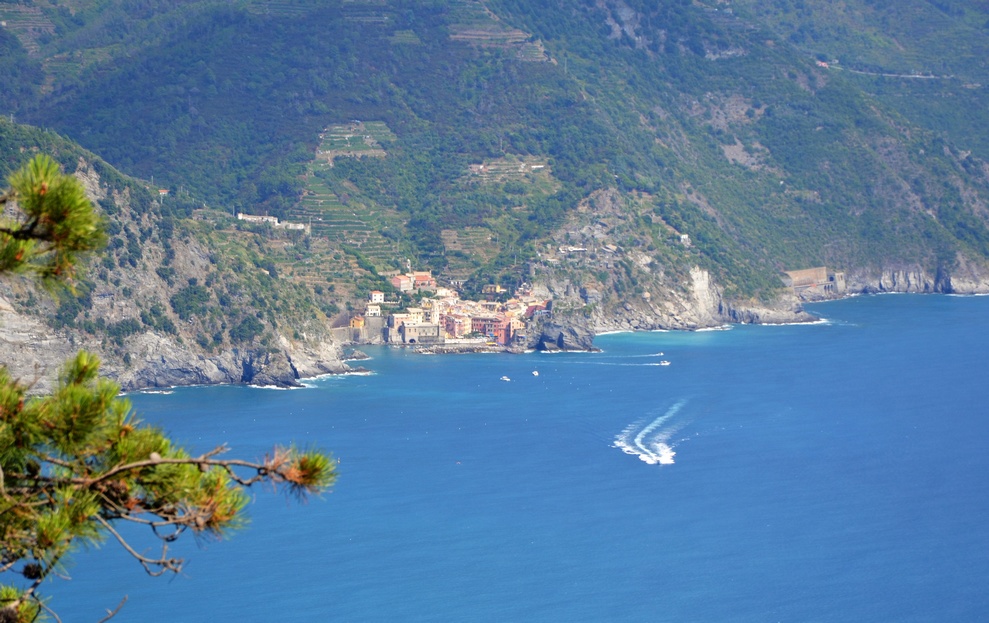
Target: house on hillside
[251, 218]
[493, 291]
[271, 220]
[423, 279]
[402, 283]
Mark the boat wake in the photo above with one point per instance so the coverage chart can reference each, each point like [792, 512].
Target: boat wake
[651, 440]
[634, 364]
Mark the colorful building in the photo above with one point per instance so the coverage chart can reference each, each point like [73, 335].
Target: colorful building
[497, 327]
[402, 283]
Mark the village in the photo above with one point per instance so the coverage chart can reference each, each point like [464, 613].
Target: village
[443, 318]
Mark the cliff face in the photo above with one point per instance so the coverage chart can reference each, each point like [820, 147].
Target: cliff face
[614, 266]
[702, 303]
[965, 276]
[163, 305]
[30, 349]
[616, 269]
[571, 333]
[161, 363]
[696, 305]
[34, 353]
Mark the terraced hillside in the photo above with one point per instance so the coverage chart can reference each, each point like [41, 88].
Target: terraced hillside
[531, 170]
[28, 24]
[473, 23]
[339, 216]
[356, 139]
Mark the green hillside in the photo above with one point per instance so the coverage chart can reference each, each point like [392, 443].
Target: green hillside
[411, 130]
[929, 61]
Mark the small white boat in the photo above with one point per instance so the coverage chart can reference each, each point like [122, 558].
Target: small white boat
[535, 373]
[664, 363]
[505, 378]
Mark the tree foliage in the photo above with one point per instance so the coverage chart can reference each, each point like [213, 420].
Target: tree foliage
[47, 222]
[76, 464]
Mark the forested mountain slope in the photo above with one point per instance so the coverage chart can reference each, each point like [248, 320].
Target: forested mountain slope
[481, 138]
[927, 60]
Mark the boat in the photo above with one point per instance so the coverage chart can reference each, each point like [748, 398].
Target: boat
[535, 373]
[505, 378]
[664, 363]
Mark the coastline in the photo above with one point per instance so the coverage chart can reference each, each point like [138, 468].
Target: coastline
[35, 353]
[800, 317]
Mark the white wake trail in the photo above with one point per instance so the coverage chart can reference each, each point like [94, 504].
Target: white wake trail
[650, 442]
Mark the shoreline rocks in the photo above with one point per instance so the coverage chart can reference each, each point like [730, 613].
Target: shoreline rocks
[566, 334]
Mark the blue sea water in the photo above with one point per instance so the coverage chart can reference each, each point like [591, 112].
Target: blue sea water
[831, 472]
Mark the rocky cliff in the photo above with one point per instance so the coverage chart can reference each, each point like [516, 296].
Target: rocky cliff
[34, 352]
[171, 301]
[698, 304]
[564, 333]
[613, 267]
[964, 277]
[609, 272]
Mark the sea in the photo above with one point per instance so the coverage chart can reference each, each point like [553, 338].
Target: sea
[836, 471]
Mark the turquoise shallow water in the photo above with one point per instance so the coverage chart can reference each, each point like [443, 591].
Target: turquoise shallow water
[834, 472]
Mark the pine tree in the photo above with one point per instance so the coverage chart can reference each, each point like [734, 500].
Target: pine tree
[77, 463]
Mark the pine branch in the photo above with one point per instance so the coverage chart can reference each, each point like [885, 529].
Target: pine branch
[164, 563]
[110, 614]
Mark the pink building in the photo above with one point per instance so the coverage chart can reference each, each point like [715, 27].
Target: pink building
[402, 283]
[456, 325]
[497, 327]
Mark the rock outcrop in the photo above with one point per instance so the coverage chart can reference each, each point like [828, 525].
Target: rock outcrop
[30, 349]
[562, 333]
[697, 304]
